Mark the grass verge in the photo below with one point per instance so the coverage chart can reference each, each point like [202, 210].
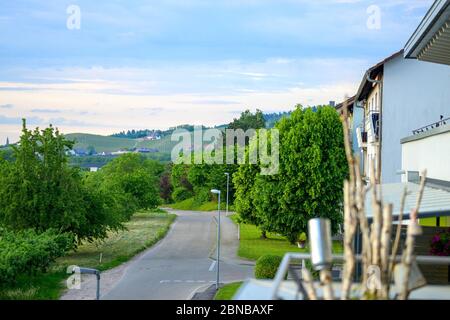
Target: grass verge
[143, 230]
[227, 291]
[251, 246]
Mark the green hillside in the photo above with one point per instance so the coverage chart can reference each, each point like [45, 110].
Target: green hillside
[111, 144]
[100, 143]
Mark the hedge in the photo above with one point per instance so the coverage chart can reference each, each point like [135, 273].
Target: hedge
[266, 266]
[27, 252]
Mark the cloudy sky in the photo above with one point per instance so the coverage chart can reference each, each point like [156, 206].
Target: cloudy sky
[159, 63]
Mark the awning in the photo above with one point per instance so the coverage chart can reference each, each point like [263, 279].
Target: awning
[435, 202]
[431, 40]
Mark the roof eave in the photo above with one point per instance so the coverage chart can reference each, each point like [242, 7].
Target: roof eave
[421, 35]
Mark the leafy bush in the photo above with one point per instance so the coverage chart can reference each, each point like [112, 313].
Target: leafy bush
[28, 252]
[180, 194]
[266, 266]
[202, 195]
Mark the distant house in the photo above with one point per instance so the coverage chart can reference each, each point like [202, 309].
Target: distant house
[152, 136]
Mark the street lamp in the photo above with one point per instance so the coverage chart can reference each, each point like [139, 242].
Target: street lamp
[228, 183]
[215, 191]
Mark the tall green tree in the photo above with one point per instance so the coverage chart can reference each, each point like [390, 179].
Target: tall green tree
[312, 170]
[39, 190]
[249, 120]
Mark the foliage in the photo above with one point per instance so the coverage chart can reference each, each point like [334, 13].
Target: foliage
[248, 120]
[312, 170]
[440, 243]
[29, 252]
[243, 181]
[6, 154]
[39, 190]
[135, 177]
[180, 194]
[266, 266]
[165, 186]
[197, 180]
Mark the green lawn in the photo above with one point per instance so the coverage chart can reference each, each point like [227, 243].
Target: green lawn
[191, 204]
[144, 230]
[251, 246]
[227, 291]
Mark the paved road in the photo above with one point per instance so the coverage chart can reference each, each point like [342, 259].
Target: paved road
[184, 261]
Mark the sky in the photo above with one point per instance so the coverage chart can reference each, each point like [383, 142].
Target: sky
[136, 64]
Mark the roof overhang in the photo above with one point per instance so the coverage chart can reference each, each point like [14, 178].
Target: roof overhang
[366, 86]
[435, 201]
[431, 40]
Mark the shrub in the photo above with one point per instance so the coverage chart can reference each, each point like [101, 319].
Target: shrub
[180, 194]
[266, 266]
[27, 252]
[202, 195]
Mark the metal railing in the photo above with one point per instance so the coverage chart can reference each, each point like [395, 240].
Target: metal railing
[284, 266]
[441, 122]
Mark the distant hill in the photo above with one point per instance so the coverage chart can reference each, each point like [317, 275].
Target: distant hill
[122, 141]
[111, 144]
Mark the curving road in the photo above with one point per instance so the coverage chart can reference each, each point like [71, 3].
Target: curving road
[184, 261]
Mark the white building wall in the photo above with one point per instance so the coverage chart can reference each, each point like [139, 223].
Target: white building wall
[415, 94]
[431, 153]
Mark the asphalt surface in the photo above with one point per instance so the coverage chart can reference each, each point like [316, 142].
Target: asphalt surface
[184, 261]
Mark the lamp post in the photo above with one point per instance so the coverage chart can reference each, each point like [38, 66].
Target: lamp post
[228, 183]
[215, 191]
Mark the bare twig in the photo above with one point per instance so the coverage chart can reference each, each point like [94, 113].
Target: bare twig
[413, 231]
[397, 235]
[308, 283]
[326, 281]
[350, 224]
[385, 247]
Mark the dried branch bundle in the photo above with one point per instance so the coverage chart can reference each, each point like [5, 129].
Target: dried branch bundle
[378, 257]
